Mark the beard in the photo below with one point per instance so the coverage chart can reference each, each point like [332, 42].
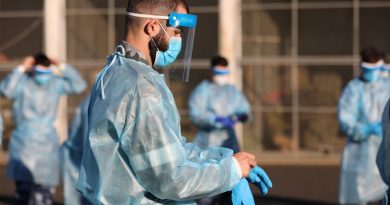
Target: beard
[162, 45]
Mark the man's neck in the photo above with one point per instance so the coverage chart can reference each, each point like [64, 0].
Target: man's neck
[138, 43]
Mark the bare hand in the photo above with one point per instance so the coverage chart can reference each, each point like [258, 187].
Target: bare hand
[28, 63]
[247, 161]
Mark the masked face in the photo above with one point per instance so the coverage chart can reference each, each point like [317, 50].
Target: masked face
[371, 75]
[221, 79]
[42, 75]
[163, 53]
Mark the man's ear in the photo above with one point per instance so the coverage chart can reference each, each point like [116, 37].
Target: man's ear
[152, 28]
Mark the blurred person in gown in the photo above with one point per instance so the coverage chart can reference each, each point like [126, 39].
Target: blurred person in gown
[359, 113]
[35, 87]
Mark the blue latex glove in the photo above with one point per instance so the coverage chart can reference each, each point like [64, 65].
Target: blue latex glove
[241, 194]
[226, 122]
[240, 117]
[258, 177]
[367, 130]
[377, 129]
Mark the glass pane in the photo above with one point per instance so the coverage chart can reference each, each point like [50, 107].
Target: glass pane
[266, 32]
[373, 29]
[206, 37]
[325, 32]
[8, 122]
[20, 37]
[320, 132]
[187, 128]
[322, 85]
[269, 131]
[6, 114]
[120, 25]
[89, 74]
[76, 4]
[181, 91]
[87, 40]
[122, 4]
[265, 1]
[267, 85]
[20, 5]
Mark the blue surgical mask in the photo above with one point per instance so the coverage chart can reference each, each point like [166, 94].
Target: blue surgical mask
[42, 79]
[371, 71]
[371, 75]
[165, 58]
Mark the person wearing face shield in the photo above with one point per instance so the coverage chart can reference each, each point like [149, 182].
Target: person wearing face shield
[359, 113]
[215, 106]
[134, 152]
[34, 148]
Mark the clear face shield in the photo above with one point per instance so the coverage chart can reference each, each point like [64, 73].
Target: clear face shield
[176, 59]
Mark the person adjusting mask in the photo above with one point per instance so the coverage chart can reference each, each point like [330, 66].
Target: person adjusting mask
[134, 152]
[359, 114]
[34, 148]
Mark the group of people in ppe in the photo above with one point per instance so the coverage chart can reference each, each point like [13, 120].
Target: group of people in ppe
[125, 144]
[365, 121]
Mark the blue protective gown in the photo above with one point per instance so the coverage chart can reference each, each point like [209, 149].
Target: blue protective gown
[134, 153]
[34, 147]
[209, 100]
[361, 103]
[72, 151]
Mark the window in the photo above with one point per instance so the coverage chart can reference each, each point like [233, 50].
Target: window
[298, 56]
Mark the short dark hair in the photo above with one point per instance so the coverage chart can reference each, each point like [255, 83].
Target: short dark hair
[155, 7]
[370, 55]
[219, 60]
[42, 59]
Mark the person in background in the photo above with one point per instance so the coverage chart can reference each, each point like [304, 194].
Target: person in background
[35, 87]
[134, 152]
[215, 107]
[359, 114]
[72, 151]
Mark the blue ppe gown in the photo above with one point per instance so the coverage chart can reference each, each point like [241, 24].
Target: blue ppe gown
[360, 105]
[34, 146]
[210, 100]
[72, 151]
[134, 153]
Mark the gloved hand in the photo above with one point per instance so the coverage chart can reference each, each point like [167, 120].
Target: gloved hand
[241, 194]
[377, 129]
[226, 122]
[372, 129]
[258, 177]
[240, 117]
